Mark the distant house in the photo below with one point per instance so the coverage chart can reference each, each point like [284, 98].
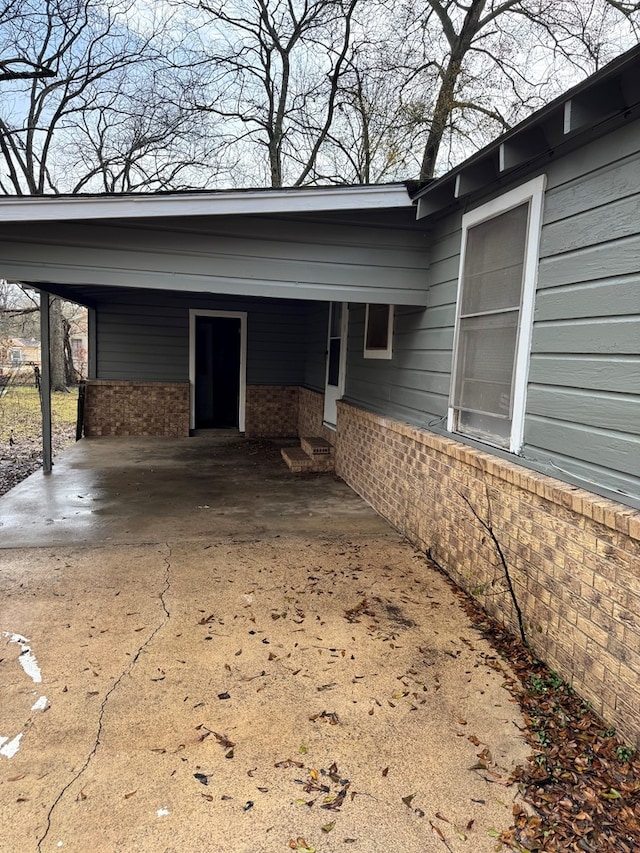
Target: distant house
[470, 349]
[17, 352]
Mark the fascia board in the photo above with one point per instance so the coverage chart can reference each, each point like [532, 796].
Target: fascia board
[233, 202]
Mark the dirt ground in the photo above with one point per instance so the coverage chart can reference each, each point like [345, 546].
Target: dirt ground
[21, 431]
[317, 689]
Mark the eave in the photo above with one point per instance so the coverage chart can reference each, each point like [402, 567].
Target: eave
[203, 203]
[594, 107]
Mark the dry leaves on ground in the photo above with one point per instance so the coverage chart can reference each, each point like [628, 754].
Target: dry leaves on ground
[583, 782]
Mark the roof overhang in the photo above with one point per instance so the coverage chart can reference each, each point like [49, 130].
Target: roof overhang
[596, 106]
[204, 203]
[349, 244]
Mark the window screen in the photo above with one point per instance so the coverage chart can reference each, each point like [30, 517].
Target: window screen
[488, 324]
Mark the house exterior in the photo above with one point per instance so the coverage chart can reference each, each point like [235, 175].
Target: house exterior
[471, 349]
[17, 352]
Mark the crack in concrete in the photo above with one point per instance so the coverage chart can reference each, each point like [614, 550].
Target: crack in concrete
[114, 686]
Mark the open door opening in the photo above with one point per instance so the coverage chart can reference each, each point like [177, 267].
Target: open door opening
[336, 360]
[218, 360]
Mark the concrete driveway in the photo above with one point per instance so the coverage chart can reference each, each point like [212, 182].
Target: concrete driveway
[200, 651]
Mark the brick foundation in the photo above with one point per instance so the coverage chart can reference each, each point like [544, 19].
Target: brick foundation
[275, 411]
[574, 557]
[272, 411]
[311, 414]
[136, 408]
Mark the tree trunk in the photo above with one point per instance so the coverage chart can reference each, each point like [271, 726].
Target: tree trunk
[57, 333]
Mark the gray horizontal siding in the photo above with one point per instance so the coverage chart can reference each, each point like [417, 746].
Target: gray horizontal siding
[606, 297]
[145, 336]
[593, 335]
[583, 405]
[608, 448]
[595, 372]
[414, 385]
[254, 256]
[583, 402]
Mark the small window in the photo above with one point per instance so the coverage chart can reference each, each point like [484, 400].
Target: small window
[496, 292]
[378, 331]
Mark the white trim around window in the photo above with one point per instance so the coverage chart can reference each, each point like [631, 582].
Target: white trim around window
[531, 194]
[378, 334]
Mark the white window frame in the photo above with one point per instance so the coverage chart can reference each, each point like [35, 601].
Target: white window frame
[532, 192]
[386, 352]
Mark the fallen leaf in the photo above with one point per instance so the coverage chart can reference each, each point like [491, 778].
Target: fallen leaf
[223, 740]
[130, 794]
[289, 762]
[328, 826]
[408, 799]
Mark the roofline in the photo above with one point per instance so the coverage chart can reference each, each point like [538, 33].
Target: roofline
[204, 203]
[601, 114]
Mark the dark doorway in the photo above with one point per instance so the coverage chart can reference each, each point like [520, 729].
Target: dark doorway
[217, 391]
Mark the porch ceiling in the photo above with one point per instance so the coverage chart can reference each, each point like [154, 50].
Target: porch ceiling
[358, 245]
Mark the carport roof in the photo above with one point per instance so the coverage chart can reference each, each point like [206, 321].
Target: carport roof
[340, 243]
[204, 203]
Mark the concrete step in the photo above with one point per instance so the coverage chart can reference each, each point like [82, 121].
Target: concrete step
[300, 462]
[314, 446]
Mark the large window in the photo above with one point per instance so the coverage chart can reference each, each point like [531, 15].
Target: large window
[378, 331]
[496, 292]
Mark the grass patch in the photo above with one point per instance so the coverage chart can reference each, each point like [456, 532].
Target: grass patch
[20, 413]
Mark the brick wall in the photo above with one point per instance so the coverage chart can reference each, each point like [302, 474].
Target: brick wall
[136, 408]
[114, 407]
[311, 414]
[574, 557]
[271, 412]
[283, 411]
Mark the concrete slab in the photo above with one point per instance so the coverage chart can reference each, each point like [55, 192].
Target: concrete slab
[213, 654]
[150, 489]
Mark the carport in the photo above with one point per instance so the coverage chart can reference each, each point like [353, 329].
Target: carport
[201, 651]
[210, 309]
